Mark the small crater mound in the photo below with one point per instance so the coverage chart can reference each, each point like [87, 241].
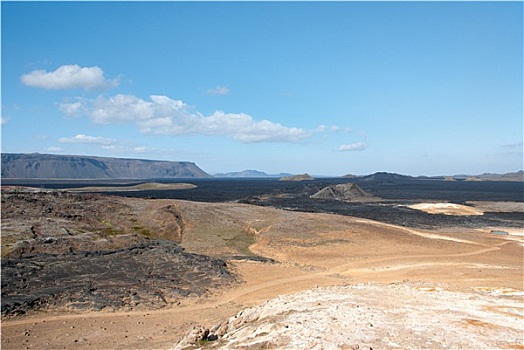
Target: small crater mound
[345, 192]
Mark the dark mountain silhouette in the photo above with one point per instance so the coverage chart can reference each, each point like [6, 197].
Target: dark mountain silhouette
[385, 177]
[380, 176]
[50, 166]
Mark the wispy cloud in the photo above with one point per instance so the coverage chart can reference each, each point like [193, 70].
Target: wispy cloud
[142, 149]
[105, 143]
[72, 109]
[165, 116]
[513, 150]
[323, 128]
[518, 145]
[218, 90]
[69, 77]
[357, 146]
[4, 120]
[85, 139]
[53, 149]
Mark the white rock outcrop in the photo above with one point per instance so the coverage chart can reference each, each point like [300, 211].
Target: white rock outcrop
[374, 316]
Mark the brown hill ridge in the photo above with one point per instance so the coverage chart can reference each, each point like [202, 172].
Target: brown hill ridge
[346, 192]
[299, 177]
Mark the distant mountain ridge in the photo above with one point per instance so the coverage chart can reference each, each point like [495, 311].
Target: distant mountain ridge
[391, 177]
[250, 173]
[51, 166]
[516, 176]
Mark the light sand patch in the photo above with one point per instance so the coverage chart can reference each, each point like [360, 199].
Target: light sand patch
[514, 231]
[436, 236]
[415, 232]
[447, 209]
[500, 291]
[433, 265]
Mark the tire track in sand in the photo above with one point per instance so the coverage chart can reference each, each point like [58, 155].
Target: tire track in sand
[245, 290]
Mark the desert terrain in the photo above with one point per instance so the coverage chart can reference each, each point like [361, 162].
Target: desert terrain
[254, 276]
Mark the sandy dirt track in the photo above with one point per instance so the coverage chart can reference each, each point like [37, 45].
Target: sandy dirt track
[311, 250]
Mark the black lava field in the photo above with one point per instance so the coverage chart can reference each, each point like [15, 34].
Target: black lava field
[290, 195]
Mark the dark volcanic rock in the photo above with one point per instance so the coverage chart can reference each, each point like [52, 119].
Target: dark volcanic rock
[392, 212]
[347, 192]
[256, 258]
[154, 274]
[86, 251]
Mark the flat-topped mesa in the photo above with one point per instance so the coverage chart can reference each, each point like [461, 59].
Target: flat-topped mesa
[346, 192]
[51, 166]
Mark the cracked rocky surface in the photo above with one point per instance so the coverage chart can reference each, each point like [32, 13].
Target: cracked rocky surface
[149, 275]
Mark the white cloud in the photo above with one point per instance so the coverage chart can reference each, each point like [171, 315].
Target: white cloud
[85, 139]
[165, 116]
[129, 148]
[4, 120]
[142, 149]
[357, 146]
[323, 128]
[53, 149]
[69, 77]
[218, 90]
[72, 109]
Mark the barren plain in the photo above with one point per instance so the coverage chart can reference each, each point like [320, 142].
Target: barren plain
[257, 276]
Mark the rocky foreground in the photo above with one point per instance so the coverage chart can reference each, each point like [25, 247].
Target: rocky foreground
[372, 316]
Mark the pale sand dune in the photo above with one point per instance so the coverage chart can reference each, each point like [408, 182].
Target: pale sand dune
[447, 209]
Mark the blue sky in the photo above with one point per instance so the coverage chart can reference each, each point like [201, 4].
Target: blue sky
[328, 88]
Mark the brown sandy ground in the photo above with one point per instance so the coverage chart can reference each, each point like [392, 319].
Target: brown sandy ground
[311, 250]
